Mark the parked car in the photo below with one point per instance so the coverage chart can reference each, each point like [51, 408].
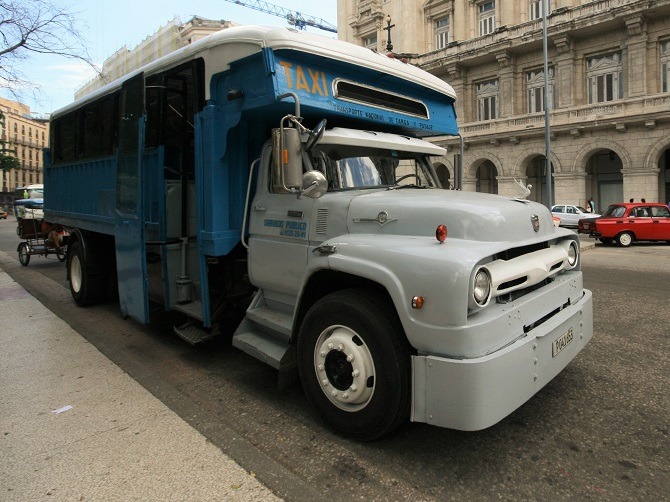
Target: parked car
[570, 215]
[626, 223]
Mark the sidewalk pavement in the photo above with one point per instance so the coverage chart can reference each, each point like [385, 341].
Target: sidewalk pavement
[74, 426]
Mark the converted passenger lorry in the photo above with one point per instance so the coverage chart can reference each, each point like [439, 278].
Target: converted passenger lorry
[278, 186]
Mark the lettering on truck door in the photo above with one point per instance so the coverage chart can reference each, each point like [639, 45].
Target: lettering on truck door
[279, 237]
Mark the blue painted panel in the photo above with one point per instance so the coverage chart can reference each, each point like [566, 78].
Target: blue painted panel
[314, 81]
[82, 194]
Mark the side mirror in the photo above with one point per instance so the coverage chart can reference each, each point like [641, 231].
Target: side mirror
[315, 135]
[287, 155]
[314, 184]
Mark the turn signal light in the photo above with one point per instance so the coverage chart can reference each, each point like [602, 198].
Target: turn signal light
[441, 233]
[417, 302]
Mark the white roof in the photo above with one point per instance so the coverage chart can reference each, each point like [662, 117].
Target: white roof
[242, 41]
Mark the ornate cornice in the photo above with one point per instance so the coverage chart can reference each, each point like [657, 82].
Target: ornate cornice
[636, 25]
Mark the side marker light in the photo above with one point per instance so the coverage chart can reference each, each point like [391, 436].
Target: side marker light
[441, 233]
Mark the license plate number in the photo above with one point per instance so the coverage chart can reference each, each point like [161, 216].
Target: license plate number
[561, 342]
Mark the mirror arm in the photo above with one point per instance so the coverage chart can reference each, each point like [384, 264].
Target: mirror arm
[309, 189]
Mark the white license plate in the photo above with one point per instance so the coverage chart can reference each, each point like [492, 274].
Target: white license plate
[561, 342]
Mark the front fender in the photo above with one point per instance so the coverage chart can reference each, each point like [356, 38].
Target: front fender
[407, 267]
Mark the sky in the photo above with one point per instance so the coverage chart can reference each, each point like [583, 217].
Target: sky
[108, 26]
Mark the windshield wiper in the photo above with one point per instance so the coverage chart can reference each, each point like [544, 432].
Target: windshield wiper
[410, 185]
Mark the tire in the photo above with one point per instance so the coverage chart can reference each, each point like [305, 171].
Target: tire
[24, 254]
[354, 364]
[625, 239]
[86, 288]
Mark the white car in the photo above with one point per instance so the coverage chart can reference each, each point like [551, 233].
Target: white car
[570, 215]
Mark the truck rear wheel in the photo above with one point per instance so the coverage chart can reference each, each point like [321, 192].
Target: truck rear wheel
[354, 363]
[84, 287]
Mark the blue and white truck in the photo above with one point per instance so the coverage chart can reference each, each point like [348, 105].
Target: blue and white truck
[279, 186]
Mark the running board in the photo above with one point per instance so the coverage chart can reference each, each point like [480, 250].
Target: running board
[191, 309]
[193, 334]
[265, 333]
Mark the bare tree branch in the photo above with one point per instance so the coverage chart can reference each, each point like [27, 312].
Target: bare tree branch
[30, 27]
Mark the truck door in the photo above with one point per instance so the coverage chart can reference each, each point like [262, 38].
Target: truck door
[129, 227]
[279, 238]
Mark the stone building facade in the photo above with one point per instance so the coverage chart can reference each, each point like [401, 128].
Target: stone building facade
[608, 86]
[167, 39]
[28, 136]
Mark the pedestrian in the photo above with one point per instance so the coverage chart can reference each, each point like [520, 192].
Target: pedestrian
[643, 199]
[631, 200]
[592, 205]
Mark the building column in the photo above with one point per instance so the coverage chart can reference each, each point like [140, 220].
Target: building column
[570, 188]
[469, 184]
[506, 75]
[641, 185]
[457, 80]
[564, 79]
[637, 56]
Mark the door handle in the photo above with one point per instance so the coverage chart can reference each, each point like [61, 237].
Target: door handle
[260, 208]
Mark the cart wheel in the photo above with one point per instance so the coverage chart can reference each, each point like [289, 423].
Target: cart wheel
[24, 254]
[60, 254]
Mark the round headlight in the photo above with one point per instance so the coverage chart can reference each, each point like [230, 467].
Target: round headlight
[573, 253]
[481, 291]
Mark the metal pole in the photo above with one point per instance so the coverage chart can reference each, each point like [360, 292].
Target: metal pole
[460, 163]
[547, 127]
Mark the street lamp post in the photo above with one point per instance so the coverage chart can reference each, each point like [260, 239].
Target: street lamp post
[547, 129]
[389, 45]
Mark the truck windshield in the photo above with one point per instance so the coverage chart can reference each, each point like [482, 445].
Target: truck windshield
[350, 167]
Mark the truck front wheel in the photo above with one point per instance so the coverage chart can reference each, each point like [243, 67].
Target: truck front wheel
[354, 363]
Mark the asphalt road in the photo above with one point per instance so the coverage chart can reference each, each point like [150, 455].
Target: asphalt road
[598, 431]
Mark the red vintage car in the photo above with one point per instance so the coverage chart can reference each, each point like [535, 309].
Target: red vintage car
[625, 223]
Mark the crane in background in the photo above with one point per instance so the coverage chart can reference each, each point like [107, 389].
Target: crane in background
[294, 18]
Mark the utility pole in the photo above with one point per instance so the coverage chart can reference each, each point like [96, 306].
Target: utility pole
[547, 127]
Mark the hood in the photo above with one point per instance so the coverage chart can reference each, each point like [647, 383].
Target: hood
[467, 215]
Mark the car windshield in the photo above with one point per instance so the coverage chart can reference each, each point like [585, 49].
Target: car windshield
[347, 167]
[615, 211]
[581, 209]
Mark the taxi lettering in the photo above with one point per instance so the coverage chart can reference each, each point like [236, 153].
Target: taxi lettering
[305, 79]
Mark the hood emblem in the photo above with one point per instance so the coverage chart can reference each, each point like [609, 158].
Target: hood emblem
[535, 220]
[522, 190]
[382, 219]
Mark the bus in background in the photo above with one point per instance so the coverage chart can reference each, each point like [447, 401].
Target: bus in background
[29, 192]
[26, 192]
[277, 186]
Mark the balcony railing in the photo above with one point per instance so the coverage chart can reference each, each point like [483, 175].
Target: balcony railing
[622, 111]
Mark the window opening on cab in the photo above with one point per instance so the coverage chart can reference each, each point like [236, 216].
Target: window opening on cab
[347, 167]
